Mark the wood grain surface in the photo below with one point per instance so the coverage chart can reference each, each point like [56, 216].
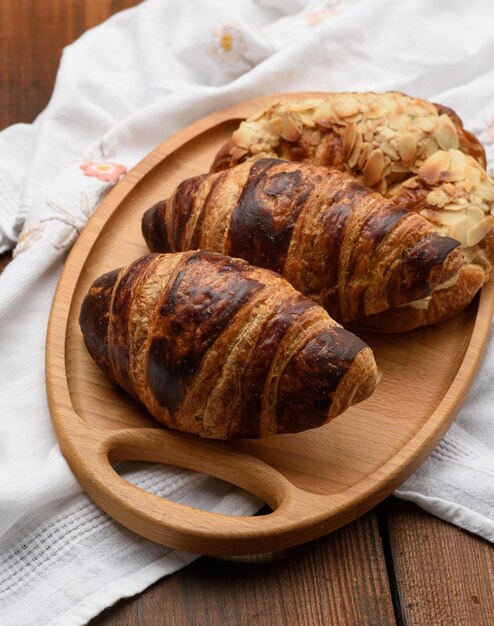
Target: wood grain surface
[339, 579]
[444, 576]
[25, 41]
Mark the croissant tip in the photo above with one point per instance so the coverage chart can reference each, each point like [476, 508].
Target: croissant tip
[154, 229]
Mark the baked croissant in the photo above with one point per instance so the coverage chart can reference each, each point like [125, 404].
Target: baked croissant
[213, 346]
[415, 152]
[368, 262]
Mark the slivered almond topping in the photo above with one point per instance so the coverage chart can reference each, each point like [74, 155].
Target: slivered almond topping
[431, 171]
[354, 157]
[407, 147]
[346, 106]
[426, 125]
[274, 126]
[454, 206]
[364, 155]
[305, 105]
[290, 131]
[349, 138]
[373, 168]
[411, 183]
[431, 147]
[473, 173]
[486, 190]
[445, 134]
[307, 119]
[437, 198]
[449, 189]
[324, 115]
[388, 149]
[478, 231]
[238, 153]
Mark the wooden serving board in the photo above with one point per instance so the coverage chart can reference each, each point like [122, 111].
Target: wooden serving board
[314, 481]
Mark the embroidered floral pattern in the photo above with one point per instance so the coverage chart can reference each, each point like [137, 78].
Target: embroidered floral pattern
[28, 237]
[228, 43]
[314, 19]
[107, 172]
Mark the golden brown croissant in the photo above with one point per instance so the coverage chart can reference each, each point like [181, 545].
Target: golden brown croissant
[414, 152]
[213, 346]
[369, 262]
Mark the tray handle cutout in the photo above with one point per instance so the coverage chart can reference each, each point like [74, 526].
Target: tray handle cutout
[183, 527]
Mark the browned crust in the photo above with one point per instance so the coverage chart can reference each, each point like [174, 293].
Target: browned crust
[456, 298]
[336, 241]
[229, 350]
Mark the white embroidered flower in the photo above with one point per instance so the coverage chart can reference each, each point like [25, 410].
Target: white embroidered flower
[228, 43]
[33, 233]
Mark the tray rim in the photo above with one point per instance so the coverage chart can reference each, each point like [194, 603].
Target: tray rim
[365, 493]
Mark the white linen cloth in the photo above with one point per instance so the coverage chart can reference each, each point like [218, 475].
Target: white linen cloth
[121, 89]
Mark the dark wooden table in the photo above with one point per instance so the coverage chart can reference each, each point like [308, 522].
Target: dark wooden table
[395, 565]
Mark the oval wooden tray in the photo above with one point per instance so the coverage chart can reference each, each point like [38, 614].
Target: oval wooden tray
[314, 481]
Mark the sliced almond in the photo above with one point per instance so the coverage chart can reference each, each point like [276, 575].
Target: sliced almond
[354, 157]
[349, 138]
[431, 147]
[449, 218]
[474, 214]
[346, 106]
[305, 105]
[289, 129]
[258, 148]
[258, 114]
[432, 169]
[437, 197]
[458, 159]
[368, 135]
[273, 126]
[364, 155]
[396, 122]
[244, 135]
[307, 119]
[450, 189]
[238, 153]
[411, 183]
[388, 149]
[426, 124]
[399, 168]
[453, 175]
[472, 173]
[453, 206]
[486, 191]
[324, 115]
[478, 231]
[407, 147]
[445, 134]
[373, 168]
[386, 133]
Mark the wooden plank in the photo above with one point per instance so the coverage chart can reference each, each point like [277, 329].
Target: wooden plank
[444, 575]
[338, 579]
[32, 35]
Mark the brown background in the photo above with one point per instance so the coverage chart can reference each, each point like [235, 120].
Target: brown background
[397, 564]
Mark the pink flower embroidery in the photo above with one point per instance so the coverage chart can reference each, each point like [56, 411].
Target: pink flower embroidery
[314, 19]
[107, 172]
